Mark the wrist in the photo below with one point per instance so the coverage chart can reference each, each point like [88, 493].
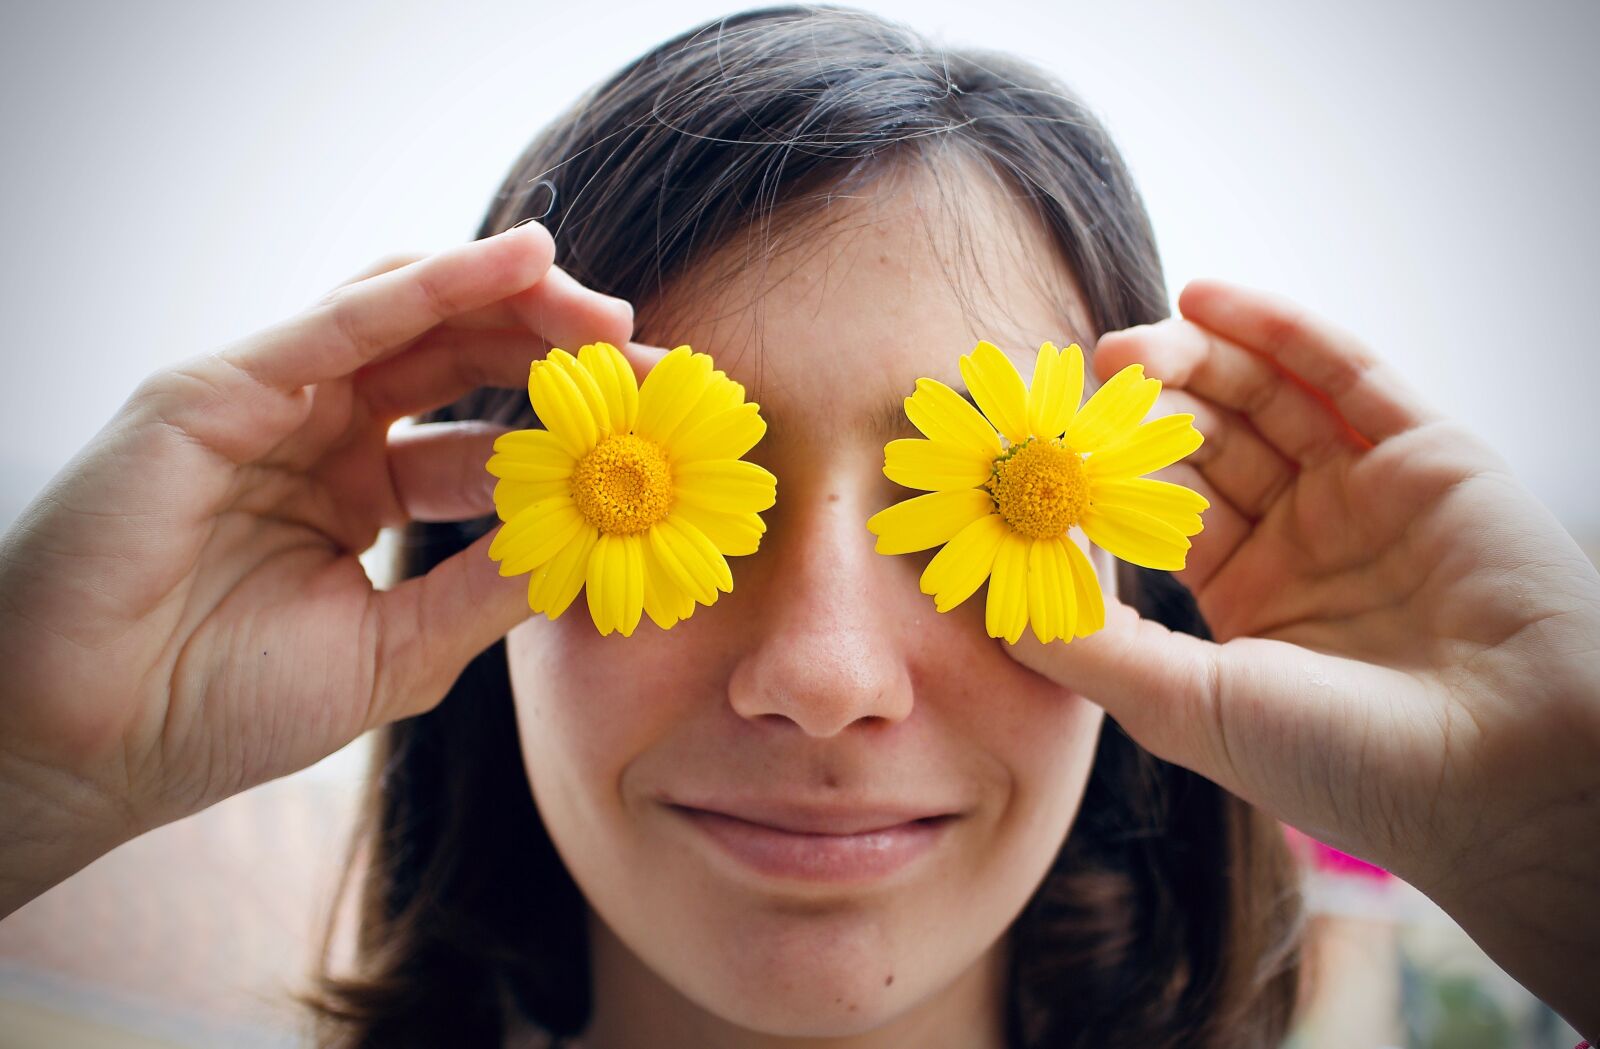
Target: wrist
[1527, 898]
[52, 824]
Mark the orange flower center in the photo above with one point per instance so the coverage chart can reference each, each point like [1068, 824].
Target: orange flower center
[624, 486]
[1040, 487]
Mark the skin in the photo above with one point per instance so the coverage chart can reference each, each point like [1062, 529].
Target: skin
[183, 613]
[1407, 665]
[824, 675]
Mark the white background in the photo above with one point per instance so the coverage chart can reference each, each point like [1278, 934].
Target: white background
[178, 175]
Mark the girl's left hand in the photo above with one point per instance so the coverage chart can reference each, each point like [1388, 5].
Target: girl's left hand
[1409, 656]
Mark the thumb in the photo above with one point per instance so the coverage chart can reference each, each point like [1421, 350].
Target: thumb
[431, 626]
[1186, 699]
[1270, 721]
[1164, 687]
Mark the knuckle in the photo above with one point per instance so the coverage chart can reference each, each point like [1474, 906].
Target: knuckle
[438, 302]
[390, 262]
[1281, 330]
[1259, 393]
[176, 392]
[1346, 371]
[340, 307]
[335, 295]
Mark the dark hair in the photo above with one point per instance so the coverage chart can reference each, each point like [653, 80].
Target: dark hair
[1171, 915]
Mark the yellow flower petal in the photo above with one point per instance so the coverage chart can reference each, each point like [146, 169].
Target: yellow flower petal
[997, 387]
[662, 596]
[698, 554]
[531, 465]
[1055, 390]
[1045, 576]
[670, 392]
[964, 563]
[556, 583]
[1113, 409]
[516, 467]
[934, 466]
[562, 408]
[593, 398]
[614, 375]
[530, 455]
[727, 434]
[535, 534]
[1087, 594]
[1172, 503]
[927, 520]
[1066, 587]
[719, 394]
[1136, 537]
[1151, 446]
[513, 497]
[1006, 611]
[730, 486]
[944, 415]
[615, 583]
[681, 564]
[734, 534]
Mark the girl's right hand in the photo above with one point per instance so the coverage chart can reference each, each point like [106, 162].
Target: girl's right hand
[182, 610]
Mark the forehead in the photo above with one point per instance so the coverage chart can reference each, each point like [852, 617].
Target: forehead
[835, 318]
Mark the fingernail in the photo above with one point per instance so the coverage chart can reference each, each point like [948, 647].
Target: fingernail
[626, 305]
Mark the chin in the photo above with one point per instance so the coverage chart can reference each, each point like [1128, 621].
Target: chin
[799, 973]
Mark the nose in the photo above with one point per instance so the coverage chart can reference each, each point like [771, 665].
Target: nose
[827, 652]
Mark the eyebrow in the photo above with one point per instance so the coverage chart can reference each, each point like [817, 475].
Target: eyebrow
[890, 421]
[885, 422]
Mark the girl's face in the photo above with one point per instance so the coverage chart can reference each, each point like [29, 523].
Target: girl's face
[825, 680]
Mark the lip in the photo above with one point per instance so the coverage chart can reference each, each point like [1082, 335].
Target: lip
[799, 818]
[857, 856]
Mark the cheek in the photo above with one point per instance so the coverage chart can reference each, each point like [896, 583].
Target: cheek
[1043, 738]
[587, 706]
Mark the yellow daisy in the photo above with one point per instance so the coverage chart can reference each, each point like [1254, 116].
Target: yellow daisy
[636, 492]
[1007, 485]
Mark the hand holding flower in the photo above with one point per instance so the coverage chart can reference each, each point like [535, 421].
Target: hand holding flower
[182, 611]
[1407, 663]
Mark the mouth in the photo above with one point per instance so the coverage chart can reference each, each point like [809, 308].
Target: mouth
[857, 856]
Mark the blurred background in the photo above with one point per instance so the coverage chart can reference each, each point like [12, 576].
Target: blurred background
[179, 175]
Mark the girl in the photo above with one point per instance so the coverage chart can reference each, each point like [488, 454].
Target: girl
[832, 209]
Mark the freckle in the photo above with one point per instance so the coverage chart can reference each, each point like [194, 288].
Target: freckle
[887, 980]
[833, 497]
[852, 1006]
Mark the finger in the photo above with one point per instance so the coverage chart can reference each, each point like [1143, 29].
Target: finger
[510, 313]
[1366, 391]
[438, 470]
[1298, 424]
[1271, 721]
[431, 626]
[445, 365]
[567, 314]
[361, 322]
[1241, 466]
[1159, 684]
[643, 357]
[578, 314]
[1225, 528]
[386, 264]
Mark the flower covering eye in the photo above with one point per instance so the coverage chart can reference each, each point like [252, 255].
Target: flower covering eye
[636, 493]
[1007, 484]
